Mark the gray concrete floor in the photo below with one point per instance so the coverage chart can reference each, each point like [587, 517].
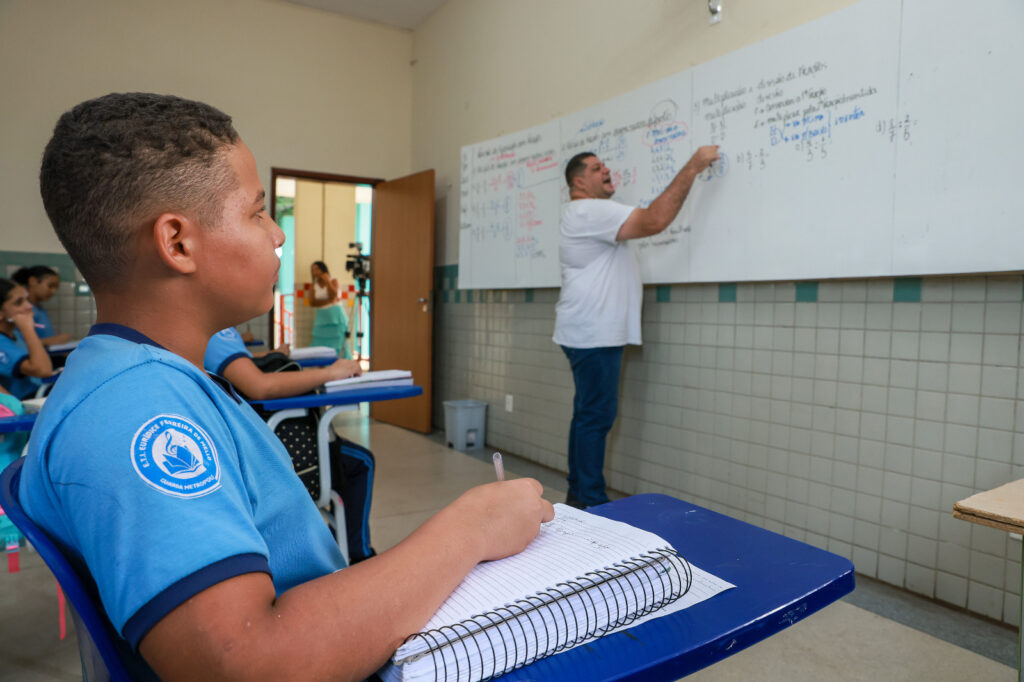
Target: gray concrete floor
[876, 633]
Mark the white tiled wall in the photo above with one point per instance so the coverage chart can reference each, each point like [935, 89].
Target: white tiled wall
[853, 423]
[71, 313]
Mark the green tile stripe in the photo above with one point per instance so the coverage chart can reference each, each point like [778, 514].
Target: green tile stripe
[727, 292]
[906, 290]
[663, 293]
[61, 262]
[806, 292]
[446, 279]
[447, 276]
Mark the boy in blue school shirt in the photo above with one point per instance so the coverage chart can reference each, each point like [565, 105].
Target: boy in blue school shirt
[208, 555]
[352, 466]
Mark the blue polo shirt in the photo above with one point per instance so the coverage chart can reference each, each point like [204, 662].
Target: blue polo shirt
[224, 347]
[44, 327]
[13, 352]
[163, 482]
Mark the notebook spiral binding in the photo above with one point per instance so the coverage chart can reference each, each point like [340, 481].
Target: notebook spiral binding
[629, 590]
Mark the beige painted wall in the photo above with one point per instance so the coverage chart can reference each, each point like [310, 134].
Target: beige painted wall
[307, 89]
[484, 68]
[309, 221]
[339, 228]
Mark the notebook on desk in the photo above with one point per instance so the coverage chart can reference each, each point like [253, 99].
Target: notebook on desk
[583, 577]
[376, 379]
[62, 347]
[308, 352]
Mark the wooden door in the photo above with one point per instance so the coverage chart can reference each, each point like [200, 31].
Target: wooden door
[401, 308]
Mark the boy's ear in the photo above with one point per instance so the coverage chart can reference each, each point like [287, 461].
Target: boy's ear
[175, 237]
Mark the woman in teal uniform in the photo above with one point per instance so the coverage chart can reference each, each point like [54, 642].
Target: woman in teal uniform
[330, 325]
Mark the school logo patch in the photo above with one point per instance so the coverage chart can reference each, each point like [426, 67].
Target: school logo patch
[228, 333]
[175, 456]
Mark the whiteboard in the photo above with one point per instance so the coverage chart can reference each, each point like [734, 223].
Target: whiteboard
[876, 141]
[510, 202]
[959, 193]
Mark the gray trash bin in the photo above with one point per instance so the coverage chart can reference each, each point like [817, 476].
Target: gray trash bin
[464, 423]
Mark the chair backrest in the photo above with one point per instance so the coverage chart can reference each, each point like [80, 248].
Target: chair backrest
[100, 647]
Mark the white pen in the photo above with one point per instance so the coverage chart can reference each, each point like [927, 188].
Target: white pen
[499, 467]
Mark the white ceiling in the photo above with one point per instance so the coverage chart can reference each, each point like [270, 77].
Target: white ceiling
[408, 14]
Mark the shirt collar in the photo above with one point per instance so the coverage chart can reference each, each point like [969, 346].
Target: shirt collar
[129, 334]
[123, 332]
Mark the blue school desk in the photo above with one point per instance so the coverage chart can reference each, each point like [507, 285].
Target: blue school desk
[317, 362]
[778, 582]
[337, 398]
[19, 422]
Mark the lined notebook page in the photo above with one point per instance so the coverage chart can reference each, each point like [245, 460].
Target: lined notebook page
[574, 544]
[571, 545]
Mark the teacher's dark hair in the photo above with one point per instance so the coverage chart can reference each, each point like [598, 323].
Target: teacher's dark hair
[322, 265]
[575, 167]
[118, 161]
[36, 272]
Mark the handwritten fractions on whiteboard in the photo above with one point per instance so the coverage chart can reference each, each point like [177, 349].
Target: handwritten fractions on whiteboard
[836, 160]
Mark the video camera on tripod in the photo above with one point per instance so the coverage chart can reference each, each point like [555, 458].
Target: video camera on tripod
[358, 264]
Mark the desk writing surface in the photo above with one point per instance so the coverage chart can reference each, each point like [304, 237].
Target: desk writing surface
[778, 581]
[362, 395]
[317, 361]
[19, 422]
[1001, 507]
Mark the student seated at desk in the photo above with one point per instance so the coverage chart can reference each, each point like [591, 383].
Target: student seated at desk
[41, 282]
[23, 359]
[351, 466]
[209, 556]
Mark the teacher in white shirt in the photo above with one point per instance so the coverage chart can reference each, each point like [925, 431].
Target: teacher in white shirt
[598, 311]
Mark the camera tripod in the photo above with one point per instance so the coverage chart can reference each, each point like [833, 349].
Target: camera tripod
[362, 303]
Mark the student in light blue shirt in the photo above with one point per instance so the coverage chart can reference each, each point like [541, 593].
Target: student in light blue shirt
[41, 282]
[23, 359]
[352, 466]
[209, 556]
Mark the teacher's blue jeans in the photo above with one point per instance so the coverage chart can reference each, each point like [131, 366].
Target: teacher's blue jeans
[595, 372]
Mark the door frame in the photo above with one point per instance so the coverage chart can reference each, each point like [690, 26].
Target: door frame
[276, 172]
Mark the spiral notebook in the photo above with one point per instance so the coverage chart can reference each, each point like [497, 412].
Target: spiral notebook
[584, 576]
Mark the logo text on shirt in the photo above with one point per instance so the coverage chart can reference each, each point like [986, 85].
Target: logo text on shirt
[175, 456]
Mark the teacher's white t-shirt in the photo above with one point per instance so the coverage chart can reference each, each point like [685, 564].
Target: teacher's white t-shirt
[601, 289]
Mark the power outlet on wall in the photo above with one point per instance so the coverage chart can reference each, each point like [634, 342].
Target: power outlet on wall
[508, 402]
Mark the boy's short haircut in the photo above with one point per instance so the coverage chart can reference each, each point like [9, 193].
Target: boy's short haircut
[119, 160]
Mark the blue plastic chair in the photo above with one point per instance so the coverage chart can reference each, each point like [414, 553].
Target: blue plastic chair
[105, 656]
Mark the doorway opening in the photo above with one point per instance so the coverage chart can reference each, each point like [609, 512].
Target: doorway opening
[326, 218]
